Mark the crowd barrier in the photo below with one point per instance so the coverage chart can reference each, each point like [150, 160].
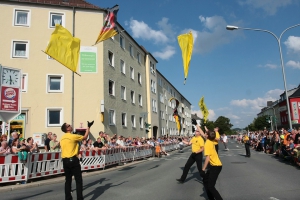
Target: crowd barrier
[50, 163]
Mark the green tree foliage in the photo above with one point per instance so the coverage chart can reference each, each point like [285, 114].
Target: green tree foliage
[209, 125]
[260, 123]
[224, 125]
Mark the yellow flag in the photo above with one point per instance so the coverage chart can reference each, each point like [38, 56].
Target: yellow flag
[203, 109]
[186, 42]
[109, 28]
[64, 48]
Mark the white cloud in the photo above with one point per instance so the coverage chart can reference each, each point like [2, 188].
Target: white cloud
[293, 64]
[293, 44]
[271, 95]
[269, 6]
[166, 28]
[211, 116]
[214, 27]
[166, 53]
[271, 66]
[141, 30]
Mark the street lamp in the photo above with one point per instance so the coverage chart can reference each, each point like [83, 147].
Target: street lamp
[231, 28]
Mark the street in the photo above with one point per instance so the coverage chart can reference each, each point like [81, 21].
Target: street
[260, 177]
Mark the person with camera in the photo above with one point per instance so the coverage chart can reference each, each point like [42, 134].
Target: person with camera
[197, 143]
[69, 152]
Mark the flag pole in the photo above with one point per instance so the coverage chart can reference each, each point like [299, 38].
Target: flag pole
[72, 107]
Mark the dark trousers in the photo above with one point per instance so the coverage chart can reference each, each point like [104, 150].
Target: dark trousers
[72, 168]
[247, 147]
[217, 148]
[192, 159]
[209, 181]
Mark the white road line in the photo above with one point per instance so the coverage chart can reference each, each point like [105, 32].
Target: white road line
[273, 198]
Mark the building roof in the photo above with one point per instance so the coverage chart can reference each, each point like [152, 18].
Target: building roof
[66, 3]
[296, 93]
[195, 116]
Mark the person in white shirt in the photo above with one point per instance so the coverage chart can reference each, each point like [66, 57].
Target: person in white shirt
[120, 141]
[224, 140]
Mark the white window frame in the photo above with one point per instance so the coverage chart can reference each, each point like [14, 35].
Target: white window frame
[24, 82]
[122, 42]
[124, 117]
[133, 123]
[154, 105]
[63, 18]
[139, 57]
[48, 78]
[132, 97]
[131, 50]
[140, 100]
[14, 42]
[111, 62]
[141, 120]
[140, 78]
[16, 10]
[60, 116]
[113, 87]
[111, 117]
[123, 93]
[122, 66]
[132, 73]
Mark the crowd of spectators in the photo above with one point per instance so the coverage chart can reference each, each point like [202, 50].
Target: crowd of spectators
[283, 143]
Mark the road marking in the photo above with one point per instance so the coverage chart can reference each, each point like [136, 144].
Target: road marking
[273, 198]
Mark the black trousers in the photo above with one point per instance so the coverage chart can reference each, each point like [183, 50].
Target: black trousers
[209, 181]
[247, 147]
[217, 148]
[72, 168]
[192, 159]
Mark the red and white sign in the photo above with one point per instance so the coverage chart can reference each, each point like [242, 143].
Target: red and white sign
[9, 99]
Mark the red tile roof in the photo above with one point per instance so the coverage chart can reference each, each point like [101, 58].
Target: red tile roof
[68, 3]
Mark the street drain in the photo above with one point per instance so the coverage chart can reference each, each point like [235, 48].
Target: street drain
[238, 162]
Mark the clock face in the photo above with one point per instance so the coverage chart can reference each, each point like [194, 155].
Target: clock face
[10, 77]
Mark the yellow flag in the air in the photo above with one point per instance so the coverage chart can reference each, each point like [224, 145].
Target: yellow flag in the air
[186, 42]
[64, 48]
[203, 108]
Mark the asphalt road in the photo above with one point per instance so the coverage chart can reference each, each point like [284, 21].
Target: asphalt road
[260, 177]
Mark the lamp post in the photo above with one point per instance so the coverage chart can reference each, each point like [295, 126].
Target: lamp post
[231, 28]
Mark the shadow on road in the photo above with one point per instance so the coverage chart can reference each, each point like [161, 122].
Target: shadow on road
[127, 168]
[242, 155]
[42, 193]
[156, 166]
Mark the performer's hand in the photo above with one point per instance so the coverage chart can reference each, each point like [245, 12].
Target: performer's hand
[89, 124]
[194, 122]
[202, 173]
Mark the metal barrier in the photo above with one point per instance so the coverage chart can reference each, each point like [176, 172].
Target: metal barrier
[50, 163]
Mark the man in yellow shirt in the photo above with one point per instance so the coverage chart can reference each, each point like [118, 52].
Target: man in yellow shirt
[216, 140]
[247, 145]
[214, 169]
[69, 152]
[197, 143]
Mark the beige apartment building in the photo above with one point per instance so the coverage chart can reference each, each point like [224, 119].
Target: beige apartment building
[167, 124]
[117, 89]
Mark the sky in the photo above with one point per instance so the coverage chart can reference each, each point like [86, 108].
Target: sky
[237, 71]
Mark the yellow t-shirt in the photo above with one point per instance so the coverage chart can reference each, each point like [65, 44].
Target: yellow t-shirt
[246, 138]
[69, 145]
[210, 150]
[197, 143]
[217, 137]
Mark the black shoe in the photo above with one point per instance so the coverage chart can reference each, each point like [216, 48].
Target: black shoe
[180, 181]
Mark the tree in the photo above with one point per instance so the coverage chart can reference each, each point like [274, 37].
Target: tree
[209, 125]
[261, 123]
[224, 125]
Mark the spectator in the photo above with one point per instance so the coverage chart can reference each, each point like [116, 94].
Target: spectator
[22, 150]
[54, 144]
[83, 146]
[47, 141]
[14, 135]
[98, 144]
[33, 146]
[14, 146]
[101, 135]
[297, 137]
[90, 145]
[120, 141]
[3, 138]
[4, 149]
[225, 140]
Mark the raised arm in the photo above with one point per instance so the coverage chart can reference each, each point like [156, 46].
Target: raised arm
[89, 124]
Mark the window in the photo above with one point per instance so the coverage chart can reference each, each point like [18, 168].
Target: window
[161, 98]
[131, 50]
[133, 121]
[132, 96]
[124, 119]
[54, 116]
[153, 86]
[131, 73]
[20, 49]
[123, 93]
[122, 42]
[139, 57]
[22, 18]
[24, 82]
[140, 100]
[56, 18]
[139, 78]
[122, 66]
[111, 87]
[112, 117]
[141, 122]
[55, 83]
[110, 58]
[154, 106]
